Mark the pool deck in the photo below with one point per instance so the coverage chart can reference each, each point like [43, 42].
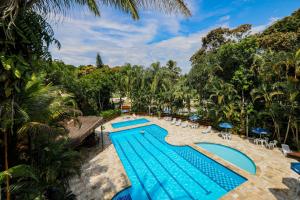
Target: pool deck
[103, 174]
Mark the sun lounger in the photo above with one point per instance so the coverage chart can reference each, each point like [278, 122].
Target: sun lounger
[286, 149]
[184, 125]
[289, 153]
[126, 117]
[178, 123]
[208, 130]
[168, 118]
[173, 121]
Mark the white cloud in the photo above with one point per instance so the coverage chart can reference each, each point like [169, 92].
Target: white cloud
[260, 28]
[224, 18]
[124, 41]
[121, 40]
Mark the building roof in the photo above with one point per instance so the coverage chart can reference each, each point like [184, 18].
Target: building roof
[78, 132]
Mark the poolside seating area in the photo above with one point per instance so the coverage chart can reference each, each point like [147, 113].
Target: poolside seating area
[226, 135]
[206, 131]
[274, 178]
[185, 124]
[262, 139]
[264, 142]
[129, 117]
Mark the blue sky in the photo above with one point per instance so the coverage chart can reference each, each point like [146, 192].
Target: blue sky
[157, 36]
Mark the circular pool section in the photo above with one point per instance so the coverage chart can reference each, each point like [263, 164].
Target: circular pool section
[231, 155]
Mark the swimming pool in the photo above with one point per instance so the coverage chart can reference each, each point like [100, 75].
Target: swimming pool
[158, 170]
[231, 155]
[129, 123]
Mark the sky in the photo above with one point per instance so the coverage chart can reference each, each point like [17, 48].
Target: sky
[156, 36]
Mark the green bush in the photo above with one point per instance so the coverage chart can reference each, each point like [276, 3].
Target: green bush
[108, 114]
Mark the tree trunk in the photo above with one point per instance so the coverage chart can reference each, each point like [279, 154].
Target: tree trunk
[247, 131]
[99, 101]
[120, 102]
[243, 114]
[297, 135]
[6, 164]
[189, 106]
[287, 130]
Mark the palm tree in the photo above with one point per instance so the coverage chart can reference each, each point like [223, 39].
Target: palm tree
[183, 91]
[291, 108]
[268, 95]
[172, 66]
[10, 9]
[36, 112]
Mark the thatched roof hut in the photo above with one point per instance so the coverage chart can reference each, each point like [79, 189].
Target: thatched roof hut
[78, 132]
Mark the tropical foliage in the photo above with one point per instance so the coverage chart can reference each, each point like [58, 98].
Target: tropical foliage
[252, 80]
[248, 79]
[36, 94]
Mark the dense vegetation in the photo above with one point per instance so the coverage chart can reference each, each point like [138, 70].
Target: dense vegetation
[247, 79]
[251, 80]
[36, 95]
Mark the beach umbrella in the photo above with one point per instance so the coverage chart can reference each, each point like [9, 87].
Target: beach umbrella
[260, 131]
[194, 117]
[167, 111]
[225, 125]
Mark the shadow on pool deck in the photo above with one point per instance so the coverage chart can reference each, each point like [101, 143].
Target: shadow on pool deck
[292, 185]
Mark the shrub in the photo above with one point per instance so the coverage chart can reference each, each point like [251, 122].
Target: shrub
[108, 114]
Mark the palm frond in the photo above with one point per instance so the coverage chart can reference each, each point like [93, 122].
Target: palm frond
[17, 172]
[36, 128]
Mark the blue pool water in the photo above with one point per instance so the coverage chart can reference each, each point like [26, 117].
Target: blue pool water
[158, 170]
[129, 123]
[231, 155]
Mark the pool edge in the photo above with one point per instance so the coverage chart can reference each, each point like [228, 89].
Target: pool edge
[251, 160]
[217, 159]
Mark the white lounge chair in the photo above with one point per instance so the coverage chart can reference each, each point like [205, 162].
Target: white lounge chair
[178, 123]
[208, 130]
[173, 121]
[271, 144]
[126, 117]
[285, 149]
[184, 125]
[195, 126]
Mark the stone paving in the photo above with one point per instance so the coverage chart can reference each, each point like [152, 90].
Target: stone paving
[103, 174]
